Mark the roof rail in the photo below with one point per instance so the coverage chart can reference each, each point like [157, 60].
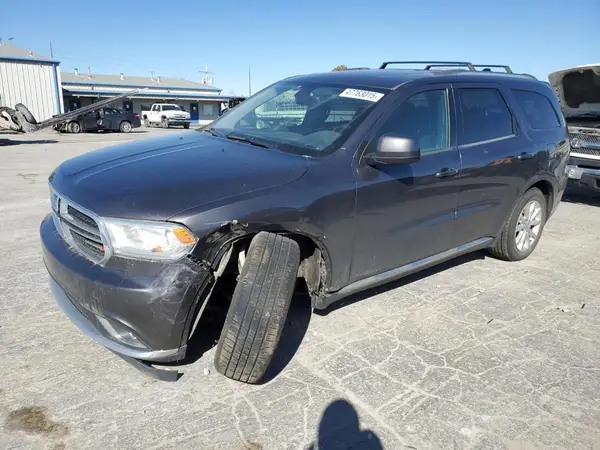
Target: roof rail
[430, 64]
[495, 66]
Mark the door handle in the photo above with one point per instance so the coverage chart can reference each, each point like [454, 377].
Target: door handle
[446, 172]
[523, 156]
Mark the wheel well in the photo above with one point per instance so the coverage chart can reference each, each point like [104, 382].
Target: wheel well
[548, 191]
[123, 121]
[313, 263]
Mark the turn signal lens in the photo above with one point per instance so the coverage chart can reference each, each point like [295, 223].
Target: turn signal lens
[184, 236]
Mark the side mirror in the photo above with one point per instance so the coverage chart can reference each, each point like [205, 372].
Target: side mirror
[394, 150]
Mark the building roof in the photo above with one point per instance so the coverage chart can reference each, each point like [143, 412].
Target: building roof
[11, 51]
[134, 81]
[392, 78]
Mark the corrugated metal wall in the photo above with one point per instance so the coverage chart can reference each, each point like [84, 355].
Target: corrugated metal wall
[34, 85]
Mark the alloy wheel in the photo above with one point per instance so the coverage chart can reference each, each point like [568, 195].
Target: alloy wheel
[528, 226]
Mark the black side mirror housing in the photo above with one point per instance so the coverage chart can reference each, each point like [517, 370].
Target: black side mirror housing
[394, 150]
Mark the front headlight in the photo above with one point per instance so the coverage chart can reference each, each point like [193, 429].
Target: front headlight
[148, 240]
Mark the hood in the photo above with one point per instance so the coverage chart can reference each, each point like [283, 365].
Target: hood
[157, 178]
[577, 89]
[175, 113]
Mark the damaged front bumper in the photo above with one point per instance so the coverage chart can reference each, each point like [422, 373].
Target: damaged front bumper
[138, 309]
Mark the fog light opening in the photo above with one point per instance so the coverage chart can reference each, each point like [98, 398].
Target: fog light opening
[121, 334]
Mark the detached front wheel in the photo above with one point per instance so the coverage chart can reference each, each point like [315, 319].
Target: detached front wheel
[259, 307]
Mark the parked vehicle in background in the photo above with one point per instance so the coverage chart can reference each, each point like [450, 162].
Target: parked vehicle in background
[166, 115]
[578, 91]
[21, 119]
[369, 176]
[232, 103]
[103, 119]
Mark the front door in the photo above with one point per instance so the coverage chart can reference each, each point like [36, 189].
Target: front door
[406, 212]
[194, 116]
[90, 121]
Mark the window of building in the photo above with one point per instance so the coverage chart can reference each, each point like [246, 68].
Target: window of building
[208, 109]
[538, 110]
[486, 116]
[423, 117]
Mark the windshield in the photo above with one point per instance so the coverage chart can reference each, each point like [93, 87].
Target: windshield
[171, 108]
[308, 118]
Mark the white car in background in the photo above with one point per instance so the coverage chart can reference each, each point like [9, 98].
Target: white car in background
[166, 115]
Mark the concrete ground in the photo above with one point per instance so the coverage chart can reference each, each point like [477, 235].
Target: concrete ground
[477, 354]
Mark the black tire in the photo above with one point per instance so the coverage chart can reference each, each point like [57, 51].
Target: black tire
[147, 123]
[125, 126]
[186, 126]
[73, 127]
[506, 245]
[164, 122]
[26, 113]
[258, 309]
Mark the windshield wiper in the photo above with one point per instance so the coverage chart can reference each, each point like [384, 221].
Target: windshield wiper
[213, 132]
[246, 140]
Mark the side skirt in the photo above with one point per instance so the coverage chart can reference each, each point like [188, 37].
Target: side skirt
[394, 274]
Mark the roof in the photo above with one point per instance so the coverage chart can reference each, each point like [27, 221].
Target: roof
[13, 52]
[392, 78]
[134, 81]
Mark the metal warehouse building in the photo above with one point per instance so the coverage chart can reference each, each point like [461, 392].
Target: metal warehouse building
[31, 79]
[36, 81]
[202, 101]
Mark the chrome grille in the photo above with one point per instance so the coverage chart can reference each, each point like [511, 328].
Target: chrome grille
[585, 141]
[79, 228]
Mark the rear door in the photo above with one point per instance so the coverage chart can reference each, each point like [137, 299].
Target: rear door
[498, 158]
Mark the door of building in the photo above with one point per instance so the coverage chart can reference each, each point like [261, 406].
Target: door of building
[194, 112]
[127, 105]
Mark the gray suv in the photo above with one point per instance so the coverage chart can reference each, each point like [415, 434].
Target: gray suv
[335, 182]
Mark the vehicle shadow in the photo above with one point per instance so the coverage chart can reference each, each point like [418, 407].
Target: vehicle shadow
[7, 142]
[339, 429]
[211, 323]
[212, 320]
[296, 326]
[581, 197]
[479, 255]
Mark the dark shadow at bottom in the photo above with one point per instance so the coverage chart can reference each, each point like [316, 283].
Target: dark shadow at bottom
[403, 281]
[339, 429]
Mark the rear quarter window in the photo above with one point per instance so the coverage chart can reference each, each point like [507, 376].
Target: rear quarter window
[538, 110]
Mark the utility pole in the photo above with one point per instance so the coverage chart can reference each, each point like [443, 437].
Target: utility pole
[249, 82]
[206, 76]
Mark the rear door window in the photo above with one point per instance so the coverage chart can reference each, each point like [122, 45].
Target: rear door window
[538, 110]
[485, 116]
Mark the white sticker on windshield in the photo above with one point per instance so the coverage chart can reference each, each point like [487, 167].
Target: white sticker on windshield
[359, 94]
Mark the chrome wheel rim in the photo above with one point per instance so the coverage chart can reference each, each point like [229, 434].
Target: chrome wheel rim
[126, 127]
[529, 225]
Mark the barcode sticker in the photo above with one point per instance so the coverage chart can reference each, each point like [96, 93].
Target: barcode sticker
[359, 94]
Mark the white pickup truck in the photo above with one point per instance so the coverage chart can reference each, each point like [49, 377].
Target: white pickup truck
[166, 115]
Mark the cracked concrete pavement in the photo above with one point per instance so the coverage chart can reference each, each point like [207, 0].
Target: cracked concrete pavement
[476, 354]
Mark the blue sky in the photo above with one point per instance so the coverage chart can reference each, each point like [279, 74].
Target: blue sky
[281, 38]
